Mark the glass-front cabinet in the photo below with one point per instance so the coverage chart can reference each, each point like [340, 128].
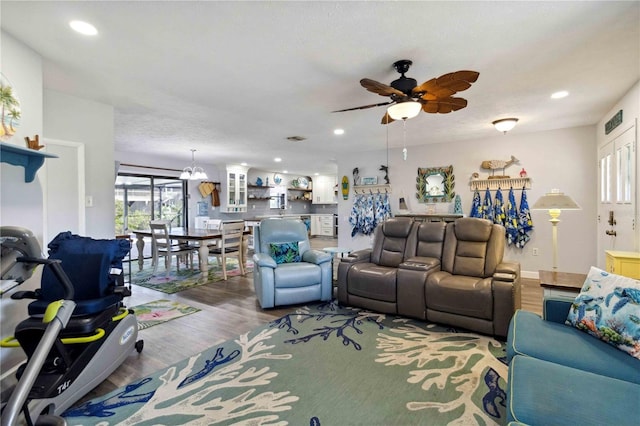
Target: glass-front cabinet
[236, 190]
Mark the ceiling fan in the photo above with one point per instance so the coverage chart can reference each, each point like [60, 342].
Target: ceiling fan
[435, 95]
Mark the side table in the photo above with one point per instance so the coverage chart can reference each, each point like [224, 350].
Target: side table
[335, 251]
[565, 284]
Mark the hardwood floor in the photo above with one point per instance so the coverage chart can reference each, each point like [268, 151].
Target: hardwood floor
[228, 309]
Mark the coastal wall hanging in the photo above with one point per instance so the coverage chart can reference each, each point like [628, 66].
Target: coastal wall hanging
[435, 184]
[345, 188]
[10, 114]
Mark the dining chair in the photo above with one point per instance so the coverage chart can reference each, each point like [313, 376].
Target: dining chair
[230, 245]
[163, 246]
[214, 223]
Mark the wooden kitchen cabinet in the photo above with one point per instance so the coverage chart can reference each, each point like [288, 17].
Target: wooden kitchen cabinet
[625, 263]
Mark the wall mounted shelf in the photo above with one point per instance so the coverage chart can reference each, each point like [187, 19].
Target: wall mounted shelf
[30, 159]
[495, 184]
[372, 189]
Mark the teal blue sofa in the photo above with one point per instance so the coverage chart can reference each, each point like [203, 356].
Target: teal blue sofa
[559, 375]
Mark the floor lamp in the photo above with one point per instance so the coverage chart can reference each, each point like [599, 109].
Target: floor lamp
[555, 201]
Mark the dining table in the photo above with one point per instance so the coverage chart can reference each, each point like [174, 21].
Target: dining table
[200, 236]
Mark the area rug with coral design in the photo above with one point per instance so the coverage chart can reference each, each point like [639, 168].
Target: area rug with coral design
[159, 311]
[322, 365]
[179, 280]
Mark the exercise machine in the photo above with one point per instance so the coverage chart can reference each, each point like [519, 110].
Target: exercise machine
[78, 330]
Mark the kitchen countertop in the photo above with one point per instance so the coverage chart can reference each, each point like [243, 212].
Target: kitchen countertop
[258, 218]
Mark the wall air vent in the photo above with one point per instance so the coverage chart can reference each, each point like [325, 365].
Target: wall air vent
[296, 138]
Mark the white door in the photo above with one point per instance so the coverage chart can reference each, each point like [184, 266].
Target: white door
[617, 186]
[64, 189]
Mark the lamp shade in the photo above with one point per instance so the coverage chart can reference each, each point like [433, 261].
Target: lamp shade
[505, 124]
[404, 110]
[555, 200]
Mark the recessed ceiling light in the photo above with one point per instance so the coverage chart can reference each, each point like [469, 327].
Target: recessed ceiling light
[243, 164]
[317, 174]
[559, 95]
[277, 159]
[284, 171]
[83, 28]
[338, 132]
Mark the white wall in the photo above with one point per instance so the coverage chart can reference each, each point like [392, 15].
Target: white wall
[563, 159]
[73, 119]
[21, 204]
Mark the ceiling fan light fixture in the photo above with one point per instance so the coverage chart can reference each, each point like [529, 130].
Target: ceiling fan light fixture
[505, 124]
[404, 110]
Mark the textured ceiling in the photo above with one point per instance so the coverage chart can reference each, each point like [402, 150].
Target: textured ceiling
[234, 79]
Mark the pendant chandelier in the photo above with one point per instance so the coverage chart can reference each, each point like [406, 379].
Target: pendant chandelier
[193, 172]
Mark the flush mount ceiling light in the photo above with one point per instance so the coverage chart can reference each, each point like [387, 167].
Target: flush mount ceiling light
[193, 172]
[338, 132]
[505, 124]
[277, 159]
[404, 110]
[559, 95]
[84, 28]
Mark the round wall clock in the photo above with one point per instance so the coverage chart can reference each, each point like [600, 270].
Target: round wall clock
[277, 179]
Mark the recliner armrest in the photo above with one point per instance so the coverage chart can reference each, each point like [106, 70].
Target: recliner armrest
[507, 272]
[263, 259]
[316, 256]
[358, 256]
[556, 308]
[419, 263]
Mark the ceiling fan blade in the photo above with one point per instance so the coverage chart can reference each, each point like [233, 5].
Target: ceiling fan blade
[364, 107]
[446, 85]
[379, 88]
[444, 106]
[386, 119]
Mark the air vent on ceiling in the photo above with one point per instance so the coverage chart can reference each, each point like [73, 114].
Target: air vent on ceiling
[296, 138]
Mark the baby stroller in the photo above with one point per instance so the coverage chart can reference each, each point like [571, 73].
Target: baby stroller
[78, 331]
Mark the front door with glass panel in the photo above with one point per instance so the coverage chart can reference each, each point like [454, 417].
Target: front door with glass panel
[617, 184]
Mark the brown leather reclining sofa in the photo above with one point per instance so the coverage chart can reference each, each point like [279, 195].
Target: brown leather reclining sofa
[446, 273]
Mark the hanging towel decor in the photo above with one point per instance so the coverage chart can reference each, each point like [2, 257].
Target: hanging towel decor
[511, 222]
[499, 215]
[487, 206]
[525, 224]
[476, 205]
[368, 211]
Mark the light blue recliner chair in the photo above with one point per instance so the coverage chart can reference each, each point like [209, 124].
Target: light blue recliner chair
[304, 274]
